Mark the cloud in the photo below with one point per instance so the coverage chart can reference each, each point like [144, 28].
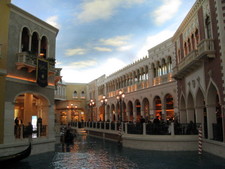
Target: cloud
[116, 41]
[166, 11]
[125, 48]
[53, 20]
[101, 49]
[102, 9]
[77, 51]
[152, 41]
[108, 67]
[82, 64]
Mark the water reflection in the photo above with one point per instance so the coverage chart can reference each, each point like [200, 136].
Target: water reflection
[88, 153]
[91, 153]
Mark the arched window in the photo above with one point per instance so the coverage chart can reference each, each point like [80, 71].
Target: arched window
[82, 94]
[75, 94]
[208, 27]
[169, 65]
[193, 41]
[179, 56]
[197, 36]
[189, 46]
[185, 48]
[43, 47]
[25, 40]
[34, 44]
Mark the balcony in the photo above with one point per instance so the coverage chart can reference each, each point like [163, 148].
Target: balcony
[29, 61]
[162, 79]
[205, 50]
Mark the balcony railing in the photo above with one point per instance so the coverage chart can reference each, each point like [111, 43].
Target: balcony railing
[29, 61]
[162, 79]
[205, 49]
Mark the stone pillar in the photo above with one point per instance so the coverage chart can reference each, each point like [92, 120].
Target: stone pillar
[152, 115]
[199, 114]
[51, 122]
[128, 115]
[28, 108]
[144, 128]
[135, 116]
[9, 123]
[176, 113]
[39, 46]
[172, 129]
[116, 116]
[30, 40]
[151, 76]
[142, 113]
[211, 118]
[164, 114]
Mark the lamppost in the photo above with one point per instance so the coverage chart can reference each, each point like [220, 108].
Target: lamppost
[91, 104]
[104, 103]
[120, 98]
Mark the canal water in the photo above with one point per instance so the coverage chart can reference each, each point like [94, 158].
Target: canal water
[92, 153]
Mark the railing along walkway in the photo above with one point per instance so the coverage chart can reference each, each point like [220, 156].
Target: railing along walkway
[142, 128]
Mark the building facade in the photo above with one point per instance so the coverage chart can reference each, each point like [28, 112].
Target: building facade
[143, 89]
[28, 78]
[73, 107]
[181, 78]
[199, 70]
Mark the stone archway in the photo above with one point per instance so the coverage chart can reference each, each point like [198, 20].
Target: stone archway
[29, 107]
[214, 119]
[124, 116]
[138, 110]
[190, 109]
[145, 109]
[107, 113]
[201, 114]
[113, 113]
[169, 105]
[130, 111]
[158, 107]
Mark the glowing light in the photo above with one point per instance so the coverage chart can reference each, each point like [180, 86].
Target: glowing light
[26, 79]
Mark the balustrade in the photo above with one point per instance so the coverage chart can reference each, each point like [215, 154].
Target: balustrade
[144, 128]
[21, 131]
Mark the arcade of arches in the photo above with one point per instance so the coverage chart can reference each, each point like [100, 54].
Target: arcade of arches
[205, 109]
[133, 111]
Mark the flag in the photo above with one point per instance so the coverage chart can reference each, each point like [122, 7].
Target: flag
[42, 72]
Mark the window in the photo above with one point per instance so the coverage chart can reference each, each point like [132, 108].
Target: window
[25, 40]
[82, 94]
[75, 94]
[208, 27]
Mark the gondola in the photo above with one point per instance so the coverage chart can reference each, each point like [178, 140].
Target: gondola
[16, 157]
